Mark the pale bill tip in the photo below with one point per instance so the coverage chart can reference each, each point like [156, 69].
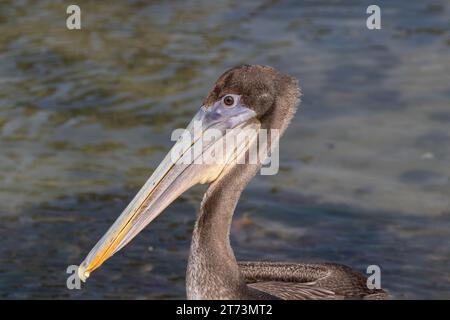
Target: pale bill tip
[82, 273]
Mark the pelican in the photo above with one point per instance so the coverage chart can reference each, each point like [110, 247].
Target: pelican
[249, 97]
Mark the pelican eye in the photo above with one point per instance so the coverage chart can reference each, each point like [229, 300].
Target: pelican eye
[228, 100]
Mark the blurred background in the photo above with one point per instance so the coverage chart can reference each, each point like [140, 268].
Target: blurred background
[86, 116]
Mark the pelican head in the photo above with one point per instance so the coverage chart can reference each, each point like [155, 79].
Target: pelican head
[243, 98]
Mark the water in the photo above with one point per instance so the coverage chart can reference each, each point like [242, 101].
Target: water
[85, 116]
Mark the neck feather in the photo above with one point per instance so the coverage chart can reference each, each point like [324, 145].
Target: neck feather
[212, 270]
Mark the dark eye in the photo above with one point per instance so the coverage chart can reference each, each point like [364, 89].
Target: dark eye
[228, 100]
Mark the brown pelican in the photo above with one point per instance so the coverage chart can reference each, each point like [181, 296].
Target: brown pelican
[245, 97]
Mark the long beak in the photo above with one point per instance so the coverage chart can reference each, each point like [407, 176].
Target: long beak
[182, 168]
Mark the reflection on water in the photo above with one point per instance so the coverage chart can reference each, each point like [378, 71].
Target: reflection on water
[85, 116]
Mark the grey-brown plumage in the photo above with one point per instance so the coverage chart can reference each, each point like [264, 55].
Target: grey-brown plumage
[213, 272]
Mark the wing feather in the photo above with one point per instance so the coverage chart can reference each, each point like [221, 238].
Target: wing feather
[307, 281]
